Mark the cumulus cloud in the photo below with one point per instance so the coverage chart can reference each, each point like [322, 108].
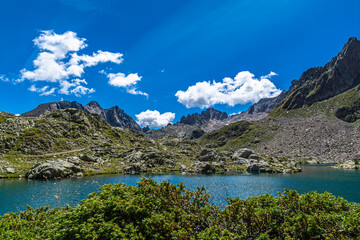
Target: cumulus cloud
[128, 82]
[74, 87]
[44, 91]
[59, 62]
[120, 80]
[154, 118]
[4, 78]
[242, 89]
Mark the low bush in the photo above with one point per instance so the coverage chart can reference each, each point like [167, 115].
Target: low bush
[166, 211]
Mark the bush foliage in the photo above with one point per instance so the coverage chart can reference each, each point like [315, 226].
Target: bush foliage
[167, 211]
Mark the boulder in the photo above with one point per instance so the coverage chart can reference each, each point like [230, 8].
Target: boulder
[259, 166]
[87, 158]
[254, 156]
[204, 167]
[348, 165]
[242, 153]
[53, 169]
[242, 161]
[132, 169]
[10, 170]
[148, 159]
[209, 155]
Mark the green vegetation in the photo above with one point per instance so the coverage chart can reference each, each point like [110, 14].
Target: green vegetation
[167, 211]
[240, 134]
[327, 108]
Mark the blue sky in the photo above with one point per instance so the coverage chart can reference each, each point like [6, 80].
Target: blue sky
[165, 55]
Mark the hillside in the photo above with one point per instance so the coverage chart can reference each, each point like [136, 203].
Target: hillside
[317, 121]
[70, 142]
[115, 116]
[195, 125]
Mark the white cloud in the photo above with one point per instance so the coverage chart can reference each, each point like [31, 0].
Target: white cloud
[81, 90]
[74, 87]
[59, 44]
[244, 88]
[43, 91]
[98, 57]
[128, 82]
[4, 78]
[137, 92]
[154, 118]
[120, 80]
[59, 63]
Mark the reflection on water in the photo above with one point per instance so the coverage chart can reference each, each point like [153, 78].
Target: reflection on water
[15, 194]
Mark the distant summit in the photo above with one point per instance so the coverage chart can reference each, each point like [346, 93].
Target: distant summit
[317, 84]
[51, 107]
[114, 116]
[203, 117]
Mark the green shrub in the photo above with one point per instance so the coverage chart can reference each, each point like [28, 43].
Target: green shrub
[167, 211]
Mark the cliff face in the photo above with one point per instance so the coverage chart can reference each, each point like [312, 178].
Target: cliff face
[317, 84]
[114, 116]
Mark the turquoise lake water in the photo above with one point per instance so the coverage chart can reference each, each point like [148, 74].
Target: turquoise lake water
[16, 194]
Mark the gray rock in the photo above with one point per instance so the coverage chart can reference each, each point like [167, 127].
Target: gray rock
[254, 156]
[182, 167]
[52, 169]
[258, 166]
[242, 161]
[10, 170]
[209, 155]
[242, 153]
[87, 158]
[204, 167]
[132, 169]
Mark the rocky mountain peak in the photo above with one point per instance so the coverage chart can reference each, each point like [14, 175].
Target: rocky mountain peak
[114, 116]
[205, 116]
[93, 104]
[320, 83]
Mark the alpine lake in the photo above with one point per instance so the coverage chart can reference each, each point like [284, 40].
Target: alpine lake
[16, 194]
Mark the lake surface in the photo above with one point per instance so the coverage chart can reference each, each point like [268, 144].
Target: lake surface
[16, 194]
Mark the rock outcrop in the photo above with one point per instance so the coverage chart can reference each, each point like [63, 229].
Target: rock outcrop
[54, 169]
[255, 163]
[348, 165]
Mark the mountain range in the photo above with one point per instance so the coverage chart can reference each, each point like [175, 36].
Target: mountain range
[115, 116]
[314, 89]
[316, 121]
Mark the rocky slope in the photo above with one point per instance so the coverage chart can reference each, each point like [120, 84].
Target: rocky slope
[204, 117]
[70, 142]
[195, 125]
[317, 84]
[191, 127]
[318, 121]
[114, 116]
[258, 110]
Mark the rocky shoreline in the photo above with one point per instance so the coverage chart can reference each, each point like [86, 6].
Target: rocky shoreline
[153, 161]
